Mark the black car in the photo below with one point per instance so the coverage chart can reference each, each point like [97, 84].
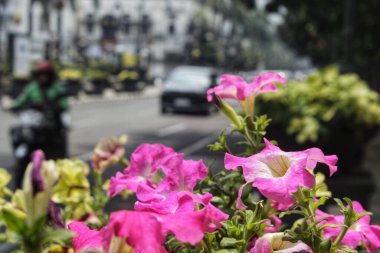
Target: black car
[185, 88]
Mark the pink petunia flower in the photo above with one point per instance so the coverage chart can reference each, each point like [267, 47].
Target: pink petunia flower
[127, 231]
[235, 87]
[360, 232]
[274, 242]
[278, 174]
[147, 163]
[146, 160]
[163, 182]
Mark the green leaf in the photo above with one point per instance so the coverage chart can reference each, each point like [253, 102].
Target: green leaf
[347, 249]
[227, 251]
[231, 242]
[13, 222]
[341, 205]
[59, 236]
[319, 203]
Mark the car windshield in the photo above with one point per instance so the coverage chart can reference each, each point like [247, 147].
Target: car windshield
[187, 79]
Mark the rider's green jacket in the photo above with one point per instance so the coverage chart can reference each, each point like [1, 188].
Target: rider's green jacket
[34, 94]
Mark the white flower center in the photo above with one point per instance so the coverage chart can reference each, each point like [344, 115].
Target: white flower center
[278, 165]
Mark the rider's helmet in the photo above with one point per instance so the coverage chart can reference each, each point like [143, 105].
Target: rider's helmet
[44, 73]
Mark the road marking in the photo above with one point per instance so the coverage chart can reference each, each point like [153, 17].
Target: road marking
[192, 148]
[171, 130]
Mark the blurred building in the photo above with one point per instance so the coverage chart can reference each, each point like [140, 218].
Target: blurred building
[160, 24]
[124, 21]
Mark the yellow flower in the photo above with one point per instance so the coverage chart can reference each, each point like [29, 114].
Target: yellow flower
[73, 185]
[5, 178]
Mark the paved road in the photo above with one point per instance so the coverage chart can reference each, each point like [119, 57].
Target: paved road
[139, 118]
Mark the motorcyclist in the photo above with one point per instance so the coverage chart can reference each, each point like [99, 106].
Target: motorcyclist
[46, 95]
[45, 90]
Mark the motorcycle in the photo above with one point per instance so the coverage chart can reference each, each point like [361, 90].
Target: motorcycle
[38, 127]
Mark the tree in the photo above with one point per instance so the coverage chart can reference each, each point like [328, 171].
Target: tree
[344, 31]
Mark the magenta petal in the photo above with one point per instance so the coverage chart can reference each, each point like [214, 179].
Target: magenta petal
[189, 229]
[147, 159]
[315, 155]
[141, 230]
[239, 203]
[123, 182]
[275, 223]
[190, 226]
[183, 175]
[351, 239]
[358, 208]
[175, 202]
[231, 87]
[371, 237]
[233, 162]
[38, 183]
[266, 82]
[261, 246]
[85, 237]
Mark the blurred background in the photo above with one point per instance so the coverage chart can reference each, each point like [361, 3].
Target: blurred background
[142, 67]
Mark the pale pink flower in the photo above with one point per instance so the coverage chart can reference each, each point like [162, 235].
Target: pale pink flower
[235, 87]
[274, 243]
[278, 174]
[360, 232]
[107, 152]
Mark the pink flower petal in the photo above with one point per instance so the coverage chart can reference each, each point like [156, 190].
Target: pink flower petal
[266, 82]
[142, 231]
[85, 237]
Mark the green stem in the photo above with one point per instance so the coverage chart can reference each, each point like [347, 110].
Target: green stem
[250, 140]
[101, 197]
[32, 248]
[310, 213]
[205, 245]
[340, 237]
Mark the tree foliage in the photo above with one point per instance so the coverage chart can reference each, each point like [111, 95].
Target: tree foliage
[332, 31]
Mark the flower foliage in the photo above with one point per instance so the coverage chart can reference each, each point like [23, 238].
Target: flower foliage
[311, 107]
[181, 206]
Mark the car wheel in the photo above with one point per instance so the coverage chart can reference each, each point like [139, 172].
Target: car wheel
[164, 110]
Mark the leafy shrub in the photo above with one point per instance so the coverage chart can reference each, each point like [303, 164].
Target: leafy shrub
[324, 100]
